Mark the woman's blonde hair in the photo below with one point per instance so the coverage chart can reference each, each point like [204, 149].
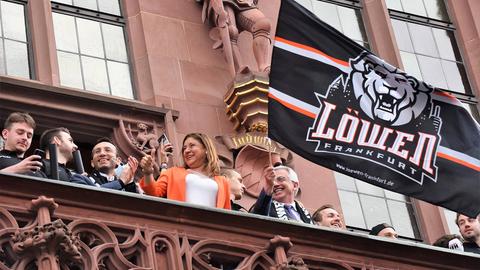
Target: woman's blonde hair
[212, 164]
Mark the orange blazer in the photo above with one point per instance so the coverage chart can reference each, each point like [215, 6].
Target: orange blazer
[171, 184]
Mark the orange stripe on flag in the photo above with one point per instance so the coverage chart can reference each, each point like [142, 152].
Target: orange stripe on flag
[308, 48]
[293, 107]
[459, 161]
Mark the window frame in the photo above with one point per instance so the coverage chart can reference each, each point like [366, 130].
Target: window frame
[101, 17]
[443, 25]
[28, 36]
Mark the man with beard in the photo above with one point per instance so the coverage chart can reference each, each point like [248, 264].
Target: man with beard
[327, 216]
[470, 229]
[277, 198]
[104, 161]
[65, 147]
[17, 134]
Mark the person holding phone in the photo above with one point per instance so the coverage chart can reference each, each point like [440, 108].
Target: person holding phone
[17, 134]
[198, 181]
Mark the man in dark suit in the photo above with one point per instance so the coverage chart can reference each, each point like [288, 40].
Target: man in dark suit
[277, 198]
[470, 229]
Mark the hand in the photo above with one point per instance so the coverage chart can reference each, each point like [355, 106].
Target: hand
[165, 151]
[269, 178]
[129, 170]
[29, 164]
[147, 164]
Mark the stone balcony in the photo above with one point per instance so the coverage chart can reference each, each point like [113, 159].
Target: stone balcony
[52, 225]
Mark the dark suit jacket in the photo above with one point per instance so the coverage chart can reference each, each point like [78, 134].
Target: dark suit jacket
[264, 206]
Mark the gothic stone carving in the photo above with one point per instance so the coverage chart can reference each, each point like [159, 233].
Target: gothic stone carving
[229, 18]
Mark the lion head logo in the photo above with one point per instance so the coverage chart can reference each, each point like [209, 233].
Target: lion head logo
[386, 93]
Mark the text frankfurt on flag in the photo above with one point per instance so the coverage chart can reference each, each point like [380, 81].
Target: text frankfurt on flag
[336, 104]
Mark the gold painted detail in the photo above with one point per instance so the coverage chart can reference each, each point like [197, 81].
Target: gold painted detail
[253, 139]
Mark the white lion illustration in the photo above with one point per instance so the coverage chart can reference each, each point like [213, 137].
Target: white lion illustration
[385, 92]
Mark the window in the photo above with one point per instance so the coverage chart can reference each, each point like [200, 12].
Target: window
[14, 48]
[365, 206]
[91, 47]
[344, 16]
[450, 216]
[427, 44]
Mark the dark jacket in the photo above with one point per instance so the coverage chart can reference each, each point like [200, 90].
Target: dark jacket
[10, 158]
[265, 206]
[471, 247]
[101, 180]
[64, 174]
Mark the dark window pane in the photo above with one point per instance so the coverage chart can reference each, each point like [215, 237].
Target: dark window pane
[352, 211]
[422, 39]
[432, 71]
[65, 32]
[109, 6]
[436, 9]
[13, 19]
[90, 37]
[70, 71]
[119, 75]
[95, 74]
[402, 36]
[401, 218]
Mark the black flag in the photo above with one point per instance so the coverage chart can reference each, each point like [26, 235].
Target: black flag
[338, 105]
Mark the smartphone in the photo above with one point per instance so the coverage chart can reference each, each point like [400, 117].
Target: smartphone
[39, 152]
[164, 140]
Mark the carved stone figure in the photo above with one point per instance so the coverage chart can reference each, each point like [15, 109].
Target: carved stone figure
[147, 140]
[229, 18]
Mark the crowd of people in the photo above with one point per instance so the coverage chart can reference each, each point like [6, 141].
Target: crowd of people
[198, 180]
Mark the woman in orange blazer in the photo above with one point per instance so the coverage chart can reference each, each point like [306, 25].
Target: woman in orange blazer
[198, 181]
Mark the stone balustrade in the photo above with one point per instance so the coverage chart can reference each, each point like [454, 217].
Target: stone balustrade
[53, 225]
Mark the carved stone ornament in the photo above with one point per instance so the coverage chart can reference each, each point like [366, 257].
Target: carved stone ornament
[228, 19]
[247, 103]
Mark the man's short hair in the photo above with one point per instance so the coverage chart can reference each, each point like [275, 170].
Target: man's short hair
[47, 136]
[19, 117]
[458, 215]
[378, 228]
[227, 172]
[317, 216]
[291, 173]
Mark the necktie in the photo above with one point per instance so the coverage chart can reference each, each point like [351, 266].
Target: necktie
[291, 213]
